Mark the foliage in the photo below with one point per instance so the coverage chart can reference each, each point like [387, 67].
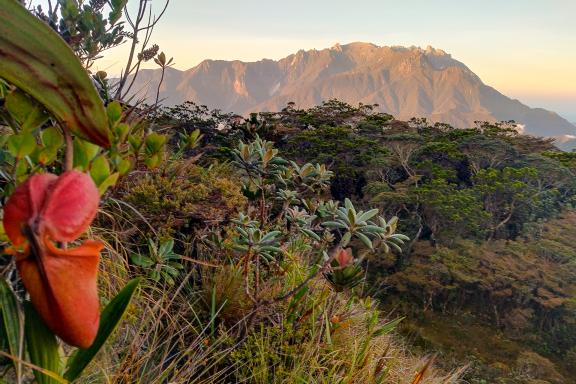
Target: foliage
[343, 150]
[255, 233]
[174, 198]
[85, 27]
[161, 261]
[495, 286]
[48, 71]
[445, 185]
[452, 212]
[48, 102]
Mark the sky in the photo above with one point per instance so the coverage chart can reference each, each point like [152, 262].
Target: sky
[525, 49]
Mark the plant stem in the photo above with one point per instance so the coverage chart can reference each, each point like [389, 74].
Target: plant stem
[159, 85]
[69, 154]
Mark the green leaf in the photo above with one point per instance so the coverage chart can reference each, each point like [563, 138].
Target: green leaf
[116, 12]
[167, 278]
[21, 145]
[365, 216]
[26, 111]
[39, 62]
[141, 260]
[153, 161]
[349, 206]
[3, 140]
[84, 152]
[271, 248]
[155, 276]
[124, 166]
[109, 320]
[52, 138]
[367, 242]
[166, 248]
[135, 143]
[395, 246]
[21, 171]
[334, 224]
[400, 236]
[170, 270]
[121, 131]
[10, 316]
[100, 169]
[387, 328]
[345, 239]
[46, 156]
[310, 233]
[114, 112]
[351, 216]
[42, 347]
[270, 236]
[154, 143]
[373, 229]
[109, 182]
[342, 214]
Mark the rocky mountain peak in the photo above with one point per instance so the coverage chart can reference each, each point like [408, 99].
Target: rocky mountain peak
[404, 81]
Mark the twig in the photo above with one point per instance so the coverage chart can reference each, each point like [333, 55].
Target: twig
[69, 154]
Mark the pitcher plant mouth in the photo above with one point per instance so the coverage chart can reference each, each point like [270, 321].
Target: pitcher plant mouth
[62, 283]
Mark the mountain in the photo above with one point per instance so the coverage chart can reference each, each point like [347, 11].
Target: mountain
[405, 82]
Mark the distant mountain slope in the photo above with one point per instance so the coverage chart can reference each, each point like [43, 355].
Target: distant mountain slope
[406, 82]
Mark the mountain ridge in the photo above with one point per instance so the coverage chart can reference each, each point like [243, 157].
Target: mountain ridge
[404, 81]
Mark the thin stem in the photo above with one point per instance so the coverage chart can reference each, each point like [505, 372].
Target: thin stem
[20, 349]
[136, 25]
[257, 278]
[159, 85]
[69, 154]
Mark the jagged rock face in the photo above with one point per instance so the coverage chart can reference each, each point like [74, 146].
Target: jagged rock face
[406, 82]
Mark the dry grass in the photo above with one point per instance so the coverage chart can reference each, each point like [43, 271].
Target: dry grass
[179, 334]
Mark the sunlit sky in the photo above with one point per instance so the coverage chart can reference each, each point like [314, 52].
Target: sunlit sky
[526, 49]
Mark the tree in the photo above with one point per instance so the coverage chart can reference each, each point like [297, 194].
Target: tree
[403, 148]
[508, 193]
[451, 212]
[485, 152]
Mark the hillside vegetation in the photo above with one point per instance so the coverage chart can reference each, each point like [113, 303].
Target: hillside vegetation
[150, 244]
[136, 250]
[488, 212]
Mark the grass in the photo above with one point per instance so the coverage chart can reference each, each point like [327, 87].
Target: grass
[204, 330]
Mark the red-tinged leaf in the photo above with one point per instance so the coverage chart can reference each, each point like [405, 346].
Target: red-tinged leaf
[62, 288]
[70, 207]
[344, 257]
[39, 62]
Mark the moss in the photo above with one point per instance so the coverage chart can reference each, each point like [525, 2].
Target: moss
[182, 195]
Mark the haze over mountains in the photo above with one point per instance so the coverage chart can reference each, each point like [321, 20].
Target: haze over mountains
[405, 82]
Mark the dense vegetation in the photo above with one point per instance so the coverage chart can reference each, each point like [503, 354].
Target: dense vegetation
[488, 212]
[217, 259]
[272, 248]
